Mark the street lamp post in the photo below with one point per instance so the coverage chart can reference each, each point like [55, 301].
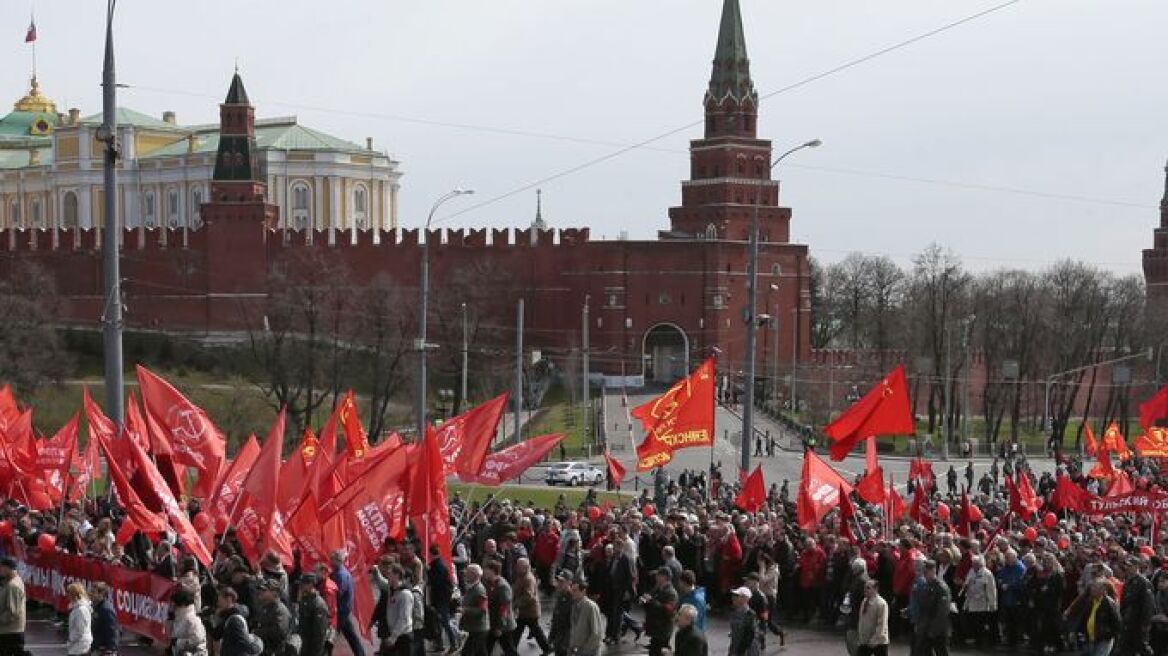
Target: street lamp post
[752, 311]
[948, 432]
[420, 344]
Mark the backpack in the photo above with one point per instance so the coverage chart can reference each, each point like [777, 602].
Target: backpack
[419, 609]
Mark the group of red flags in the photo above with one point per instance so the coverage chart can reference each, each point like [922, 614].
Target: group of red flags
[318, 500]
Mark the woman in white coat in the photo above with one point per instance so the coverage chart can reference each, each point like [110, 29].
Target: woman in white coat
[188, 636]
[981, 603]
[80, 621]
[872, 633]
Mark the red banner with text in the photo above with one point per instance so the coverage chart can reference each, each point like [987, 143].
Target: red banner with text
[141, 599]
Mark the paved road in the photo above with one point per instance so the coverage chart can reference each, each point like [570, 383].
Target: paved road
[785, 464]
[44, 639]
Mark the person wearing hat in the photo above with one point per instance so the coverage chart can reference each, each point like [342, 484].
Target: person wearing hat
[12, 609]
[562, 601]
[312, 618]
[660, 605]
[273, 622]
[744, 630]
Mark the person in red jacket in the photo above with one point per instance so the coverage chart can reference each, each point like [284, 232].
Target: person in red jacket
[547, 545]
[730, 570]
[902, 580]
[812, 571]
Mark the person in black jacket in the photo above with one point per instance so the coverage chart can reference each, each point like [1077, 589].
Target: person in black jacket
[688, 641]
[1102, 630]
[441, 594]
[230, 629]
[1136, 608]
[313, 617]
[105, 620]
[660, 605]
[273, 622]
[621, 590]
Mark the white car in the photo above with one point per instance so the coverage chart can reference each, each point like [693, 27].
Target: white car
[574, 473]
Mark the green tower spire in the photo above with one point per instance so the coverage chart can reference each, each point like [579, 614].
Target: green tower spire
[731, 76]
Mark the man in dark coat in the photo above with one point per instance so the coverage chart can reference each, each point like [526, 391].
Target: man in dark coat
[502, 615]
[933, 601]
[561, 614]
[105, 620]
[744, 629]
[622, 589]
[313, 618]
[273, 622]
[660, 605]
[1136, 607]
[689, 641]
[441, 594]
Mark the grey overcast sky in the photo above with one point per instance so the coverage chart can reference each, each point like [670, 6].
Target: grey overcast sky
[1060, 97]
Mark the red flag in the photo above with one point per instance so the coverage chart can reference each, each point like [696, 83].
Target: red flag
[1023, 499]
[18, 450]
[256, 518]
[896, 507]
[157, 447]
[847, 516]
[871, 487]
[1113, 441]
[1068, 496]
[128, 498]
[884, 410]
[1121, 485]
[615, 469]
[295, 474]
[464, 440]
[1089, 444]
[921, 472]
[88, 468]
[818, 490]
[509, 463]
[753, 495]
[1103, 468]
[31, 34]
[682, 417]
[1154, 409]
[192, 438]
[426, 503]
[920, 511]
[227, 491]
[1153, 444]
[56, 453]
[373, 505]
[356, 441]
[9, 410]
[963, 516]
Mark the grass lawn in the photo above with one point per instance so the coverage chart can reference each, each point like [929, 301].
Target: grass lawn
[541, 497]
[560, 416]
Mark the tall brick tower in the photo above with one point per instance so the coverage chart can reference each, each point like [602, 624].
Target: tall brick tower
[1156, 259]
[237, 219]
[730, 165]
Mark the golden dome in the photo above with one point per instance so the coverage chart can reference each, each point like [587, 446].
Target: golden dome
[36, 101]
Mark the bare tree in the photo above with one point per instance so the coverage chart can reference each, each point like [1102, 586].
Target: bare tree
[384, 346]
[31, 352]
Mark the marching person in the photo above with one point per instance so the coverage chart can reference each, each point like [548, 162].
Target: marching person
[12, 609]
[744, 630]
[273, 622]
[105, 621]
[689, 639]
[475, 619]
[660, 606]
[586, 631]
[312, 619]
[346, 625]
[188, 636]
[872, 631]
[80, 621]
[399, 616]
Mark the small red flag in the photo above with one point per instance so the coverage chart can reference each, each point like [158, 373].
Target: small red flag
[464, 440]
[920, 511]
[1089, 443]
[682, 417]
[31, 34]
[426, 504]
[847, 516]
[884, 410]
[502, 466]
[1068, 496]
[258, 525]
[615, 469]
[871, 487]
[1122, 484]
[356, 440]
[818, 490]
[896, 507]
[1023, 499]
[963, 516]
[753, 495]
[56, 453]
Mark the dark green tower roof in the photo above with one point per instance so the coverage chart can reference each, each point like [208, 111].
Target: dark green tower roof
[237, 95]
[731, 65]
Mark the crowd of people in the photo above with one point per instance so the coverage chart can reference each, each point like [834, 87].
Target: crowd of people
[654, 571]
